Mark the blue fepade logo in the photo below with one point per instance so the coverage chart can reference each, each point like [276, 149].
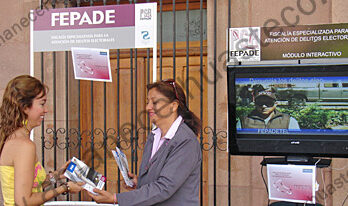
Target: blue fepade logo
[307, 171]
[145, 35]
[145, 14]
[71, 167]
[103, 53]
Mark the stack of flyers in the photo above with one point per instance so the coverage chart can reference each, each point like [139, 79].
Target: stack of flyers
[78, 171]
[122, 163]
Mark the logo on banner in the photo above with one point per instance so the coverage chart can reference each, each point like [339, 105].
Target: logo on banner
[145, 14]
[145, 35]
[245, 44]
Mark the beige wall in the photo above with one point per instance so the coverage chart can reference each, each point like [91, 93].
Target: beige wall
[247, 186]
[14, 53]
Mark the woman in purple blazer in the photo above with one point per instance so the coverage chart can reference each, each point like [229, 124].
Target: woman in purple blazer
[169, 174]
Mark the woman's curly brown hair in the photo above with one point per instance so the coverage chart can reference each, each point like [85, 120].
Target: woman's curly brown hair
[19, 95]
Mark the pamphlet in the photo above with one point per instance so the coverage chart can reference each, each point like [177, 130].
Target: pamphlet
[78, 171]
[91, 64]
[292, 183]
[122, 163]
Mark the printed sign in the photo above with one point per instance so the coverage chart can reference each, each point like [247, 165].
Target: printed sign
[109, 27]
[91, 64]
[244, 44]
[293, 183]
[285, 43]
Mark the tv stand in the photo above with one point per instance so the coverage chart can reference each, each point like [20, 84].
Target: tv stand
[297, 160]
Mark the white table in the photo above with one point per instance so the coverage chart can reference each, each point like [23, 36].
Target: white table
[80, 203]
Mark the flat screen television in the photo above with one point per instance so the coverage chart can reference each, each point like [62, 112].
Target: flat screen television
[288, 110]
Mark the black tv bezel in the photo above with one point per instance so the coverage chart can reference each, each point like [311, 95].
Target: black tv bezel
[282, 145]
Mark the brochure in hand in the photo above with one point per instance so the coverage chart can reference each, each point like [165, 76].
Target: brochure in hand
[122, 163]
[78, 171]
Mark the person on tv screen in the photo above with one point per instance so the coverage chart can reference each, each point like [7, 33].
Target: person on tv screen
[266, 116]
[246, 95]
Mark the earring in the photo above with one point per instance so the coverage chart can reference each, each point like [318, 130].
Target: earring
[25, 122]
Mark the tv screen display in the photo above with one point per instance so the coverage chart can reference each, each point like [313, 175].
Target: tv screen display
[288, 110]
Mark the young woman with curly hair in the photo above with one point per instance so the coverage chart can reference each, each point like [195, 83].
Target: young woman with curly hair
[22, 176]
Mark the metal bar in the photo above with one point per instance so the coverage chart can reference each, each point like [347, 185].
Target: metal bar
[54, 112]
[187, 52]
[66, 110]
[66, 98]
[79, 123]
[92, 128]
[54, 116]
[53, 3]
[174, 38]
[161, 38]
[148, 76]
[104, 133]
[132, 115]
[132, 112]
[118, 115]
[228, 154]
[136, 111]
[92, 120]
[79, 138]
[201, 88]
[66, 102]
[214, 136]
[148, 81]
[43, 121]
[79, 115]
[54, 107]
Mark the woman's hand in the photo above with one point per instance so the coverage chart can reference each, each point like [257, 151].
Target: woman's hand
[59, 174]
[134, 178]
[103, 196]
[75, 187]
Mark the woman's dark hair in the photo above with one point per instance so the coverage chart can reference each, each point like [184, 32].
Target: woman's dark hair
[174, 92]
[19, 95]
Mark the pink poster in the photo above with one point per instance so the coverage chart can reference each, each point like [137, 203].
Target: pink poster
[292, 183]
[91, 64]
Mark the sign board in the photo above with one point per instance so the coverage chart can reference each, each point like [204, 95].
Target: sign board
[293, 183]
[244, 44]
[108, 27]
[288, 43]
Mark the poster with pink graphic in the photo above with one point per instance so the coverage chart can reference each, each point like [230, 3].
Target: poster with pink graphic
[292, 183]
[91, 64]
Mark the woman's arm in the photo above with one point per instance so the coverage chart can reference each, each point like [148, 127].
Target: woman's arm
[24, 163]
[54, 177]
[179, 165]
